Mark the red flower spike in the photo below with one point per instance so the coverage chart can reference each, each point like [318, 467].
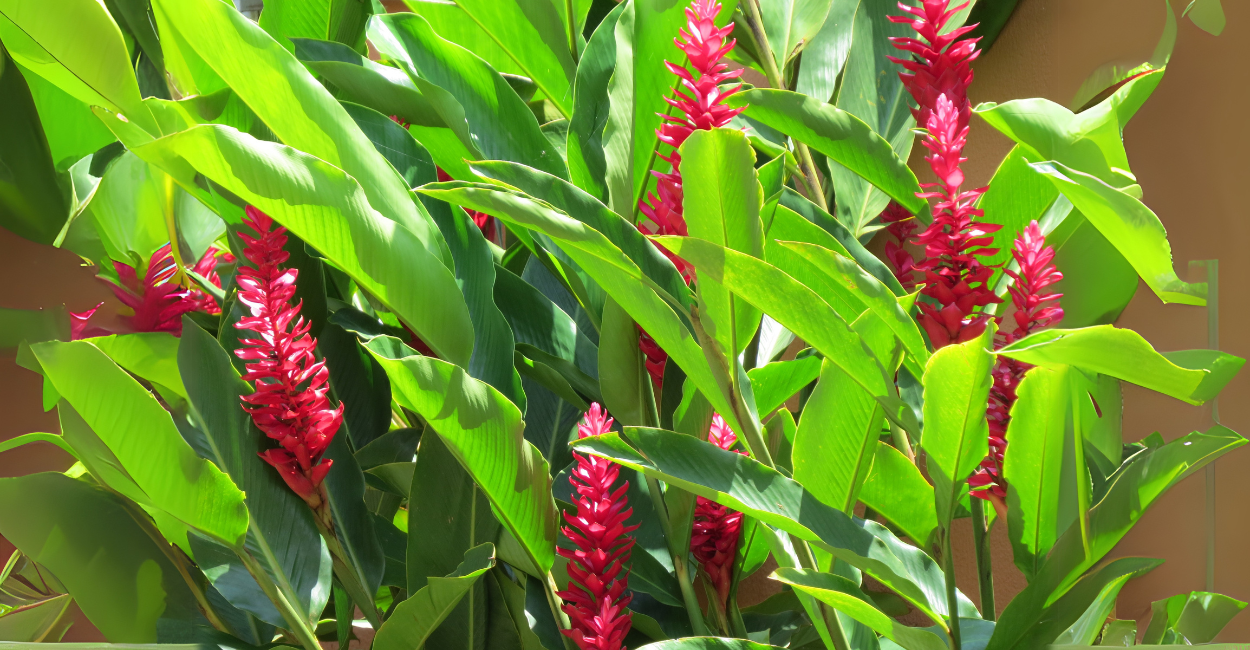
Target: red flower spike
[954, 277]
[290, 404]
[156, 302]
[715, 539]
[597, 597]
[700, 105]
[1033, 310]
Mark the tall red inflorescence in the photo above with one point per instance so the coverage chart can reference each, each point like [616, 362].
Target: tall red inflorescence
[1033, 309]
[954, 276]
[597, 598]
[700, 105]
[716, 527]
[290, 404]
[157, 301]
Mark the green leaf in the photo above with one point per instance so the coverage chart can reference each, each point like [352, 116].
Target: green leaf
[363, 561]
[150, 355]
[1201, 616]
[896, 489]
[43, 621]
[1086, 628]
[1131, 226]
[33, 326]
[956, 386]
[334, 20]
[722, 200]
[627, 391]
[748, 486]
[793, 305]
[1090, 142]
[1208, 15]
[86, 57]
[359, 383]
[1098, 282]
[584, 148]
[990, 18]
[88, 538]
[68, 124]
[1134, 489]
[484, 432]
[502, 126]
[841, 136]
[844, 596]
[415, 619]
[1034, 469]
[158, 467]
[826, 52]
[707, 643]
[331, 215]
[1032, 621]
[301, 113]
[1017, 194]
[35, 200]
[1190, 376]
[538, 322]
[872, 91]
[282, 536]
[836, 439]
[776, 382]
[837, 238]
[790, 24]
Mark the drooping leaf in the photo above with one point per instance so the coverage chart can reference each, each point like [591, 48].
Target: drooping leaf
[845, 596]
[415, 619]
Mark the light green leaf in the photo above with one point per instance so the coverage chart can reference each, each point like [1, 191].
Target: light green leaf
[415, 619]
[1017, 194]
[837, 237]
[1129, 225]
[825, 54]
[484, 432]
[896, 489]
[1208, 15]
[140, 436]
[627, 389]
[776, 382]
[844, 596]
[35, 200]
[836, 439]
[70, 127]
[841, 136]
[707, 643]
[956, 386]
[1204, 615]
[1086, 628]
[150, 355]
[1191, 376]
[334, 20]
[790, 24]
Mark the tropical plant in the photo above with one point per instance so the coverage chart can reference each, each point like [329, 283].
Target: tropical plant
[530, 324]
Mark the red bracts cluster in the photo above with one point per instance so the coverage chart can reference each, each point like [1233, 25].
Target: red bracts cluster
[1034, 309]
[597, 598]
[157, 301]
[290, 404]
[716, 528]
[901, 225]
[699, 106]
[954, 277]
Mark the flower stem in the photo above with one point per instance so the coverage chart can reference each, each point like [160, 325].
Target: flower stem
[298, 626]
[347, 577]
[773, 74]
[562, 619]
[680, 565]
[985, 568]
[952, 599]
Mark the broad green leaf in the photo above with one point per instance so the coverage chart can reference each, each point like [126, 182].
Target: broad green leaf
[359, 383]
[896, 489]
[841, 136]
[836, 439]
[537, 321]
[90, 540]
[128, 210]
[1129, 225]
[86, 57]
[1017, 194]
[1090, 142]
[452, 23]
[415, 619]
[990, 18]
[33, 326]
[746, 485]
[483, 430]
[141, 438]
[360, 569]
[1034, 469]
[150, 355]
[502, 126]
[872, 91]
[301, 113]
[35, 200]
[333, 216]
[532, 34]
[333, 20]
[43, 621]
[1208, 15]
[956, 386]
[707, 643]
[1190, 375]
[282, 536]
[790, 24]
[837, 238]
[627, 391]
[584, 147]
[70, 127]
[856, 284]
[1098, 283]
[1202, 616]
[826, 52]
[844, 596]
[793, 305]
[1033, 621]
[1086, 628]
[722, 200]
[1134, 489]
[777, 382]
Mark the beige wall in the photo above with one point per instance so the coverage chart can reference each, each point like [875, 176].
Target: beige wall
[1184, 146]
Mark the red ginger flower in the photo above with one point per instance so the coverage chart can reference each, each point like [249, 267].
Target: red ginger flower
[157, 302]
[1034, 310]
[901, 225]
[954, 277]
[290, 404]
[700, 107]
[716, 527]
[597, 597]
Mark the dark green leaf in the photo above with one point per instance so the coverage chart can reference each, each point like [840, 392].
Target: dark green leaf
[35, 200]
[587, 163]
[415, 620]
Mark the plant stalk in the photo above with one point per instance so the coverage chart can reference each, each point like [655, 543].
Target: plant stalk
[347, 577]
[562, 619]
[572, 19]
[899, 437]
[773, 74]
[952, 600]
[298, 626]
[985, 569]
